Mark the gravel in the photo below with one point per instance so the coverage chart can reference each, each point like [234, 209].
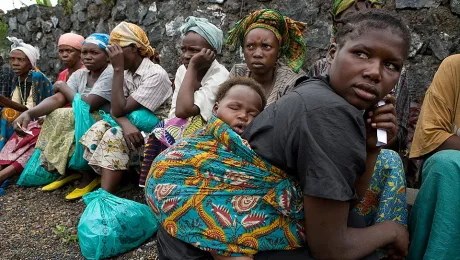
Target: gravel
[28, 217]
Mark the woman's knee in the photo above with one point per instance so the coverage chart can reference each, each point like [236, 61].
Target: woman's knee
[443, 164]
[389, 160]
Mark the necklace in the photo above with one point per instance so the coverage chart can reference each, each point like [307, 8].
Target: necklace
[21, 95]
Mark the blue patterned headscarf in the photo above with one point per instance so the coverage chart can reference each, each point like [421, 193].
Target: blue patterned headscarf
[100, 39]
[205, 29]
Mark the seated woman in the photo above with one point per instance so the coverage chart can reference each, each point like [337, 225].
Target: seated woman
[92, 85]
[69, 46]
[139, 85]
[329, 145]
[17, 151]
[388, 181]
[215, 168]
[196, 84]
[29, 88]
[267, 36]
[434, 221]
[344, 8]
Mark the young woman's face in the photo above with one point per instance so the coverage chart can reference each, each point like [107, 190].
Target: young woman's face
[261, 50]
[20, 63]
[192, 43]
[366, 68]
[239, 107]
[69, 55]
[94, 57]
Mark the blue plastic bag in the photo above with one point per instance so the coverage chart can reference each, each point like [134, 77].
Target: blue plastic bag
[111, 225]
[34, 174]
[83, 121]
[142, 118]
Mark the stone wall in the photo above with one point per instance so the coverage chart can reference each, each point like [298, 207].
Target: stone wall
[434, 23]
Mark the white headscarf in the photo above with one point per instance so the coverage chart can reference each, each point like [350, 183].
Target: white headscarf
[205, 29]
[30, 51]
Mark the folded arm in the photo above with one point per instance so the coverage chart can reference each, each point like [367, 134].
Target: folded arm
[6, 102]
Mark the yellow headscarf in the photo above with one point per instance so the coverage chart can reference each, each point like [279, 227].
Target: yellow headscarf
[342, 5]
[288, 32]
[125, 34]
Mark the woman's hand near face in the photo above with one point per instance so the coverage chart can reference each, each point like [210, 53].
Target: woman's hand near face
[383, 117]
[203, 59]
[116, 56]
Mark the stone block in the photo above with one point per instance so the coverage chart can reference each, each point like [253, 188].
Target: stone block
[155, 35]
[12, 23]
[173, 26]
[441, 45]
[119, 10]
[34, 12]
[416, 45]
[102, 26]
[455, 6]
[92, 12]
[136, 11]
[24, 33]
[22, 17]
[150, 18]
[77, 7]
[38, 36]
[47, 26]
[65, 23]
[54, 21]
[402, 4]
[31, 26]
[81, 16]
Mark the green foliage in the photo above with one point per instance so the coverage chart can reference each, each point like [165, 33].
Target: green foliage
[67, 6]
[66, 235]
[3, 33]
[44, 2]
[109, 2]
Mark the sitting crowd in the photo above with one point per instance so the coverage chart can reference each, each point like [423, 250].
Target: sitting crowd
[263, 162]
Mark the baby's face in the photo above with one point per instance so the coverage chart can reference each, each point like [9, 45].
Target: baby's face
[239, 107]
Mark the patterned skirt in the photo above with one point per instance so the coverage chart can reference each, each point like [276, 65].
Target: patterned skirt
[57, 140]
[105, 147]
[18, 150]
[385, 199]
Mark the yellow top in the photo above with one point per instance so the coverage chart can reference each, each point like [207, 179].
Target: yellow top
[440, 115]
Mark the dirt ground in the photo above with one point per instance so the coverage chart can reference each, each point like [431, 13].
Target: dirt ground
[28, 220]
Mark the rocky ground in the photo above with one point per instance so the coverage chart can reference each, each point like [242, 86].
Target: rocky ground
[29, 220]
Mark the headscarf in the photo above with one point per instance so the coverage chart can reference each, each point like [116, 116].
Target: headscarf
[341, 5]
[288, 32]
[100, 39]
[205, 29]
[71, 39]
[30, 51]
[125, 34]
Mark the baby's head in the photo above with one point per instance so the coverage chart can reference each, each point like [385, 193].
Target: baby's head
[367, 57]
[238, 101]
